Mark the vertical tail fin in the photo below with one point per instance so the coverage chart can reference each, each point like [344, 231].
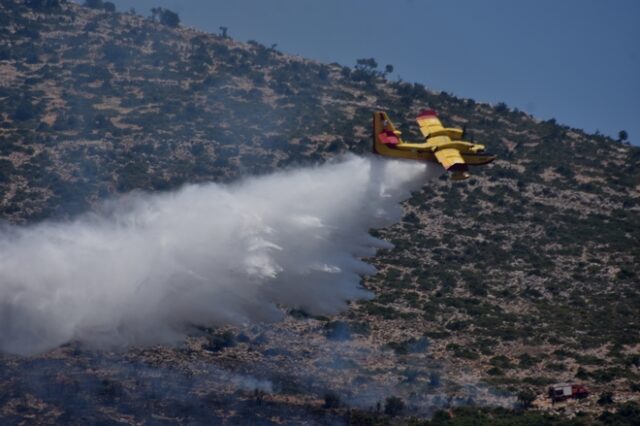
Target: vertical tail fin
[383, 131]
[375, 131]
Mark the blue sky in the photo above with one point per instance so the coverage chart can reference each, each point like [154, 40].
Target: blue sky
[577, 61]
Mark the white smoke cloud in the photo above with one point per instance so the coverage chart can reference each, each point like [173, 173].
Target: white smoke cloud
[147, 266]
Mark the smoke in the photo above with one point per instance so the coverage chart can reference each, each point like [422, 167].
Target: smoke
[147, 267]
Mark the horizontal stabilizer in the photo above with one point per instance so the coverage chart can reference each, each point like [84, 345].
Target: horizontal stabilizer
[388, 137]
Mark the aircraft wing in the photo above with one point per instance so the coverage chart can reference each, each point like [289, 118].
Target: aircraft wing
[450, 157]
[453, 162]
[430, 126]
[428, 122]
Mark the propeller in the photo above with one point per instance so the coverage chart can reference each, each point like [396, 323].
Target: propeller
[464, 134]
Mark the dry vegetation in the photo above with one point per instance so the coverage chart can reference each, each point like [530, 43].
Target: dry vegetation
[525, 275]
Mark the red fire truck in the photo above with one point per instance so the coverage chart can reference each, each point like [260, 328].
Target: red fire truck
[564, 391]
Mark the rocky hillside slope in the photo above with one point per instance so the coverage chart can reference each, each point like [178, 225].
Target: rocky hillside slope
[526, 274]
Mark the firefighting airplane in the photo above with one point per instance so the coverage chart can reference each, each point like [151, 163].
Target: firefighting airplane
[441, 145]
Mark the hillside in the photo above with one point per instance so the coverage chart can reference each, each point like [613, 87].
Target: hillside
[525, 275]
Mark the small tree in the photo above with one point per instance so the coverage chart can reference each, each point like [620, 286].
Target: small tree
[365, 70]
[526, 398]
[100, 4]
[220, 341]
[606, 398]
[165, 17]
[582, 374]
[331, 400]
[258, 395]
[623, 135]
[368, 65]
[223, 32]
[155, 13]
[393, 406]
[169, 18]
[501, 107]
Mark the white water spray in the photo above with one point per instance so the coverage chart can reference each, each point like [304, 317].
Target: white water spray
[146, 267]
